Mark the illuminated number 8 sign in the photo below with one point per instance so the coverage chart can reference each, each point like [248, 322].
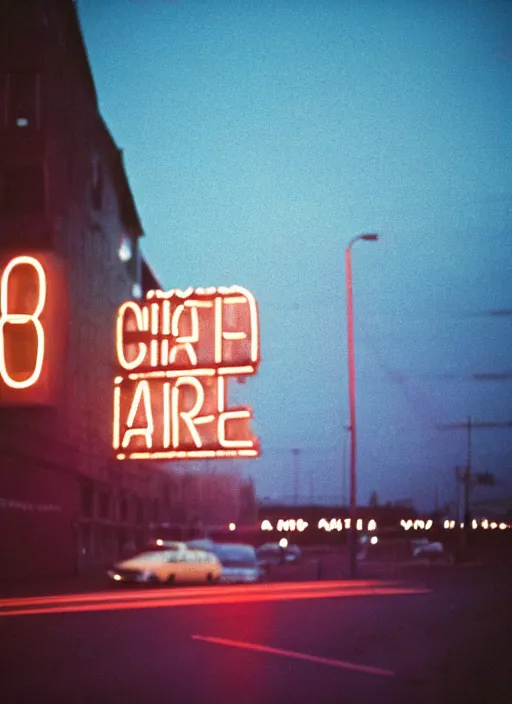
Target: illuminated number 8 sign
[14, 271]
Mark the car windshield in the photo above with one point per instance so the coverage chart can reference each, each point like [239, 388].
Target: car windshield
[201, 544]
[236, 556]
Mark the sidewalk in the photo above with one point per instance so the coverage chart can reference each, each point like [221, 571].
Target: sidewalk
[333, 565]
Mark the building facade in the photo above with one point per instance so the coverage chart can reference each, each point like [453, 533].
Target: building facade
[69, 256]
[65, 202]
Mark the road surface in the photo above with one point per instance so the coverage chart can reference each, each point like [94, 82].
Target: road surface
[442, 638]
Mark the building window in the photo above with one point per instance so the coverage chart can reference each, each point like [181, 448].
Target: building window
[140, 512]
[104, 505]
[22, 100]
[4, 83]
[87, 499]
[22, 190]
[124, 509]
[97, 184]
[125, 251]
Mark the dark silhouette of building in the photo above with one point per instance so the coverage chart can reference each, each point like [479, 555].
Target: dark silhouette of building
[65, 503]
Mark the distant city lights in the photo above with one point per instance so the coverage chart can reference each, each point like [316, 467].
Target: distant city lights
[300, 525]
[418, 524]
[290, 525]
[484, 523]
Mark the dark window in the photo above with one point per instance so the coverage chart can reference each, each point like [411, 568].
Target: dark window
[104, 504]
[140, 511]
[124, 509]
[97, 185]
[3, 100]
[22, 100]
[22, 190]
[87, 498]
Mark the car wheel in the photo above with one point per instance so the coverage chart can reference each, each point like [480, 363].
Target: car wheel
[170, 579]
[209, 578]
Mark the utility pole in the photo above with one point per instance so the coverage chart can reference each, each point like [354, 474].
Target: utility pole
[344, 501]
[465, 477]
[467, 482]
[352, 534]
[464, 484]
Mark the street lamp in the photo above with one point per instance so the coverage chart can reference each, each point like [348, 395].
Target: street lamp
[352, 539]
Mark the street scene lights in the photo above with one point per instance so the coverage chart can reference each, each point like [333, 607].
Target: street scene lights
[352, 536]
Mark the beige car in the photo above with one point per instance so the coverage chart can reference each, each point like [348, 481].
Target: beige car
[177, 565]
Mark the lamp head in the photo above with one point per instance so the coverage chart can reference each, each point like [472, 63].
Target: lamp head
[370, 237]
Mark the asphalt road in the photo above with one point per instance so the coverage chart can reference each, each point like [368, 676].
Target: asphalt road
[298, 642]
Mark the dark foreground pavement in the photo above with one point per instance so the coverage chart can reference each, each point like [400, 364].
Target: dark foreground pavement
[451, 644]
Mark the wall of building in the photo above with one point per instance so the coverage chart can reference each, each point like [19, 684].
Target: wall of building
[66, 505]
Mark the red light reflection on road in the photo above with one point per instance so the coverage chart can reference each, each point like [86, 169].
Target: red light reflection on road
[201, 597]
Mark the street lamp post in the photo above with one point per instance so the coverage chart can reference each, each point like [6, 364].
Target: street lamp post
[352, 536]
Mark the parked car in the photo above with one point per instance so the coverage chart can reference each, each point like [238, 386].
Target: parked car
[423, 548]
[174, 566]
[272, 554]
[292, 553]
[239, 563]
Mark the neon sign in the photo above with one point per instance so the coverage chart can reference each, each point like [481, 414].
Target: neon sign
[23, 280]
[33, 315]
[176, 351]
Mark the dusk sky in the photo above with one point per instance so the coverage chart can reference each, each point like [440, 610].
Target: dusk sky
[259, 137]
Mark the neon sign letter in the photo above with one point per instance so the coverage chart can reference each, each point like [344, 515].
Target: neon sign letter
[141, 394]
[141, 323]
[8, 318]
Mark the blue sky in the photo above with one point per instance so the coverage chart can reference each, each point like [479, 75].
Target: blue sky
[259, 137]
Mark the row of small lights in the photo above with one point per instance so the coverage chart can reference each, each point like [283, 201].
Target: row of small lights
[300, 524]
[418, 524]
[338, 524]
[484, 523]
